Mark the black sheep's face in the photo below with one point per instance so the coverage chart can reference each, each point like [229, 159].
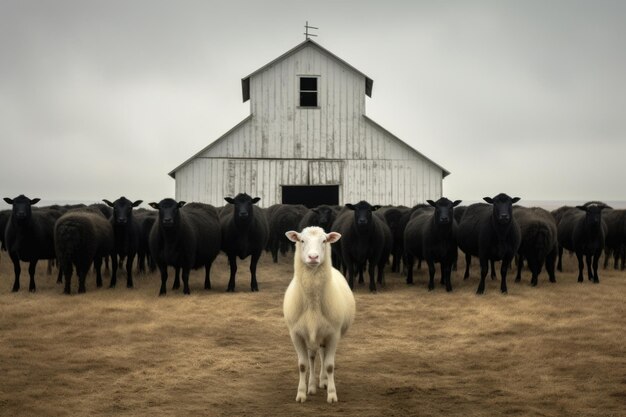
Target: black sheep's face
[593, 216]
[325, 216]
[362, 213]
[169, 213]
[444, 210]
[243, 206]
[502, 207]
[122, 209]
[21, 211]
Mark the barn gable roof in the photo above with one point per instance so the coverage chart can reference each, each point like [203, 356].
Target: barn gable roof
[444, 171]
[245, 82]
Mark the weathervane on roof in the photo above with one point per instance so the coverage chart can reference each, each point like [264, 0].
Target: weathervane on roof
[306, 30]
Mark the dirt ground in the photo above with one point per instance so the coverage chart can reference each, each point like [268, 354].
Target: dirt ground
[554, 350]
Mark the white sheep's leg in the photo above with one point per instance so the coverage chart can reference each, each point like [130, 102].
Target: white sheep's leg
[312, 388]
[323, 374]
[301, 350]
[329, 366]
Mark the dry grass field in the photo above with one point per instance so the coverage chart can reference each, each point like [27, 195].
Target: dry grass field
[554, 350]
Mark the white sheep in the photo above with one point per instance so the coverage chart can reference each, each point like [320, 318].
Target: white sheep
[318, 307]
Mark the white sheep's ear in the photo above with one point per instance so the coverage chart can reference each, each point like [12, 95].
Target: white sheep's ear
[332, 237]
[293, 235]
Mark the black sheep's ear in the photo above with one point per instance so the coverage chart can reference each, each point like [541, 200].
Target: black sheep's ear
[350, 206]
[488, 200]
[456, 203]
[34, 201]
[154, 205]
[432, 203]
[604, 206]
[108, 203]
[181, 203]
[138, 202]
[583, 208]
[229, 200]
[515, 199]
[376, 207]
[8, 200]
[256, 200]
[315, 210]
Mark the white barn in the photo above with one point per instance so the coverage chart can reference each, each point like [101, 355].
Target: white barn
[307, 140]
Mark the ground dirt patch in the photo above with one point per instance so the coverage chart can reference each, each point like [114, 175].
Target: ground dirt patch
[554, 350]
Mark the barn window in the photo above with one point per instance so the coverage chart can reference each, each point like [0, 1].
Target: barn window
[308, 91]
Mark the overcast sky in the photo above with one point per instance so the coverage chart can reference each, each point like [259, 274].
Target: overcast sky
[100, 99]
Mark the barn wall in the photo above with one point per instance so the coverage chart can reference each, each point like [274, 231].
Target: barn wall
[209, 180]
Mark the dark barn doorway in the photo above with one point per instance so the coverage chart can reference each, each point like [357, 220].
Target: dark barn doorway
[311, 195]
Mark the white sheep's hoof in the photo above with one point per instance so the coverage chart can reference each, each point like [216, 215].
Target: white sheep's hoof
[301, 397]
[312, 390]
[332, 398]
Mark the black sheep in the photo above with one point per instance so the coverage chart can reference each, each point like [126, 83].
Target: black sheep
[146, 219]
[4, 220]
[245, 233]
[365, 239]
[490, 232]
[538, 242]
[394, 217]
[82, 236]
[185, 237]
[582, 231]
[322, 216]
[283, 218]
[29, 236]
[127, 234]
[431, 236]
[615, 239]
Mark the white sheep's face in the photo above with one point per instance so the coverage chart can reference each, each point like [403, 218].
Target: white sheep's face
[312, 244]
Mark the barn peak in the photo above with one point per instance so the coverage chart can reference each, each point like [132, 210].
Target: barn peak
[245, 82]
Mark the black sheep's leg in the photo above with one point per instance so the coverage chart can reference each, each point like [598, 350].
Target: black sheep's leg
[559, 264]
[129, 270]
[380, 279]
[186, 281]
[254, 286]
[607, 255]
[82, 277]
[176, 284]
[31, 272]
[550, 262]
[446, 273]
[114, 266]
[431, 275]
[163, 269]
[468, 262]
[350, 274]
[60, 275]
[520, 265]
[232, 260]
[361, 272]
[596, 279]
[409, 265]
[17, 269]
[503, 269]
[589, 267]
[493, 270]
[484, 266]
[207, 276]
[97, 264]
[67, 271]
[581, 265]
[372, 272]
[535, 268]
[616, 258]
[623, 257]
